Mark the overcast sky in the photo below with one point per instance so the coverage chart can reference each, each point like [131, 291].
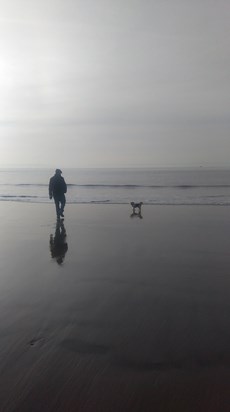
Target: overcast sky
[122, 83]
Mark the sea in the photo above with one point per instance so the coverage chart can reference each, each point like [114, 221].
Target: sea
[152, 186]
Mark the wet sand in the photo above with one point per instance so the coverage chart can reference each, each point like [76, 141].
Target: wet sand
[135, 318]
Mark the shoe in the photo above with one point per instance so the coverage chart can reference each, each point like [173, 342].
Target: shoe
[62, 215]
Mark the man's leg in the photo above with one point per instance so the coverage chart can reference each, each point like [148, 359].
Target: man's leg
[63, 201]
[56, 200]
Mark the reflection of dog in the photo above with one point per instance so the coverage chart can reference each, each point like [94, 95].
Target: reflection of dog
[136, 206]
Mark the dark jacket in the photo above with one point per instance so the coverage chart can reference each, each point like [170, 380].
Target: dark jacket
[57, 186]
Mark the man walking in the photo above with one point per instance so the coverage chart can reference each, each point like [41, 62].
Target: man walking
[57, 190]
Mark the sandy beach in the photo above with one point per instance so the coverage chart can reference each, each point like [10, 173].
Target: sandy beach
[133, 317]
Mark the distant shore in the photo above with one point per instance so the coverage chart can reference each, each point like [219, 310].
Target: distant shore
[135, 317]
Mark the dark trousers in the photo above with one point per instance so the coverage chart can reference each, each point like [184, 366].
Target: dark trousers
[59, 203]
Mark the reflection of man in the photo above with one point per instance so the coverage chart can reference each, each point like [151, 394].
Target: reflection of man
[58, 244]
[57, 190]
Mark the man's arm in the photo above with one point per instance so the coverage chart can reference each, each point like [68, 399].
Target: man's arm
[51, 188]
[64, 186]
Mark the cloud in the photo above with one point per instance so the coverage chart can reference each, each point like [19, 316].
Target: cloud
[105, 76]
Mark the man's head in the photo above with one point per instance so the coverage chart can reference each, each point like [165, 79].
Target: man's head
[58, 172]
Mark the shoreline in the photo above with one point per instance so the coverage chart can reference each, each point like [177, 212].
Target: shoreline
[105, 203]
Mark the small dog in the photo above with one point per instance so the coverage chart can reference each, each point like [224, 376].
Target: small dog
[136, 206]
